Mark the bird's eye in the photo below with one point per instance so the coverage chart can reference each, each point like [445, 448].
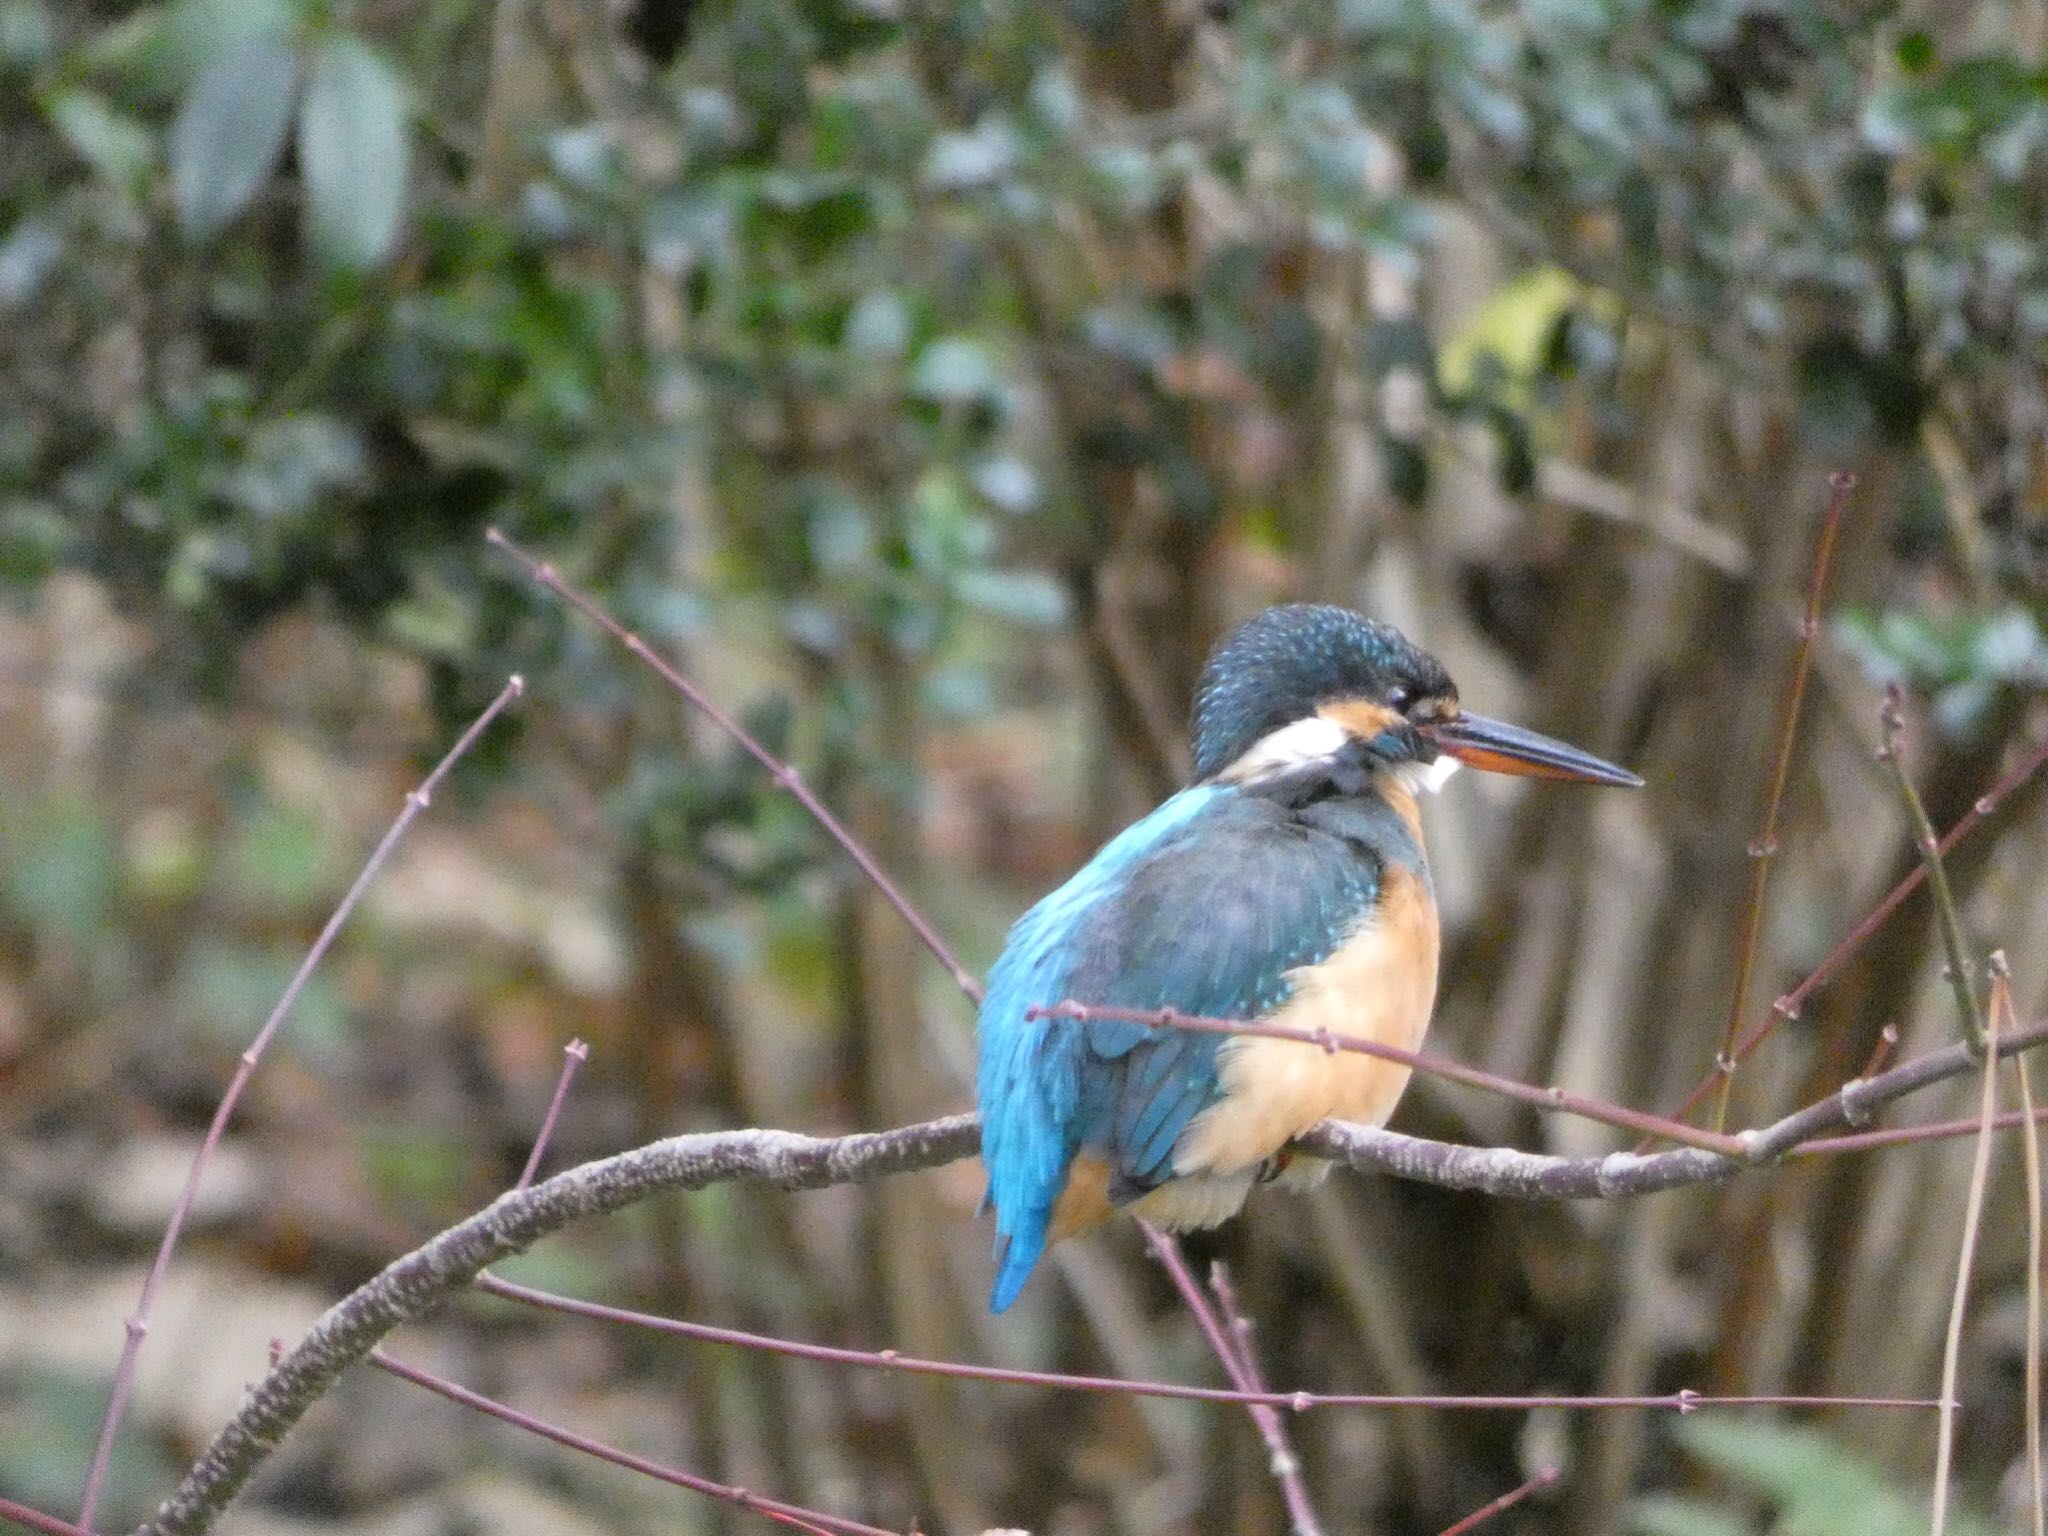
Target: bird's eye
[1398, 699]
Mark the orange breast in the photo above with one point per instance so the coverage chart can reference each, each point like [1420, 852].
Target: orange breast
[1380, 984]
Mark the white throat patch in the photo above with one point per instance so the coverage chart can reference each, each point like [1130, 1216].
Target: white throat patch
[1313, 740]
[1432, 777]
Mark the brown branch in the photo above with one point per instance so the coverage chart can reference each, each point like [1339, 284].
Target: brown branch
[138, 1322]
[454, 1258]
[1765, 848]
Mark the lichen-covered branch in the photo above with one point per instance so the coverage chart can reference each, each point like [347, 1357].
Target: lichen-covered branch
[448, 1262]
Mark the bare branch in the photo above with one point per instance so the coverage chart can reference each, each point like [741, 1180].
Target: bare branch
[784, 774]
[1229, 1338]
[452, 1260]
[138, 1321]
[574, 1054]
[1765, 848]
[794, 1515]
[1973, 1213]
[36, 1520]
[1683, 1401]
[1788, 1006]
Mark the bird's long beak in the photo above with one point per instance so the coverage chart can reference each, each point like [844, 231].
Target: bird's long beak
[1502, 748]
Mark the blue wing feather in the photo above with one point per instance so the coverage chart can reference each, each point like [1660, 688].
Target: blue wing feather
[1204, 906]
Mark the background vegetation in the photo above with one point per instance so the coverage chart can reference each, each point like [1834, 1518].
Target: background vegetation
[938, 378]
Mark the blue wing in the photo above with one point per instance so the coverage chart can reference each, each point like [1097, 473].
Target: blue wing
[1204, 906]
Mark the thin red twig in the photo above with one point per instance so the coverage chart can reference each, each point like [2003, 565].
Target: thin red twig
[574, 1054]
[1840, 484]
[1880, 1053]
[785, 776]
[1944, 1130]
[1555, 1099]
[1683, 1401]
[814, 1521]
[1243, 1373]
[36, 1520]
[1789, 1006]
[1507, 1500]
[138, 1322]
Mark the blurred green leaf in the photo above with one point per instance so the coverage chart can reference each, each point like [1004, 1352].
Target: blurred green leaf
[62, 868]
[229, 132]
[115, 145]
[1814, 1485]
[352, 153]
[279, 861]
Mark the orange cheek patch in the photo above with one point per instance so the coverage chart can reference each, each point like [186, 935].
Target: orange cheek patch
[1362, 717]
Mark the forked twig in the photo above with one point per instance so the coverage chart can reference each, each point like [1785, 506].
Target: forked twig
[1237, 1363]
[1789, 1006]
[1947, 918]
[1765, 848]
[138, 1321]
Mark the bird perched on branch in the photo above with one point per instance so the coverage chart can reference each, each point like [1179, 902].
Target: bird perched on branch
[1286, 885]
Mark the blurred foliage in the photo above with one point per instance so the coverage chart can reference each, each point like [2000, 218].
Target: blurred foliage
[1810, 1484]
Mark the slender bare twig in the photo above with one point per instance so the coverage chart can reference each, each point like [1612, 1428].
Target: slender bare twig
[2005, 1020]
[1880, 1053]
[138, 1321]
[814, 1521]
[451, 1260]
[1952, 1347]
[1506, 1501]
[574, 1054]
[1684, 1401]
[1790, 1005]
[1765, 848]
[1907, 1135]
[1237, 1365]
[1946, 916]
[36, 1520]
[785, 776]
[1554, 1099]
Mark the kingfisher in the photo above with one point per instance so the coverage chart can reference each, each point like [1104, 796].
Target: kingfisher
[1286, 884]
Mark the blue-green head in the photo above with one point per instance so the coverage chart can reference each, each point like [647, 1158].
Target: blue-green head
[1310, 680]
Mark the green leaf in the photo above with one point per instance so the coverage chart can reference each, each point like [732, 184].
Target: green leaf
[115, 145]
[229, 132]
[352, 152]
